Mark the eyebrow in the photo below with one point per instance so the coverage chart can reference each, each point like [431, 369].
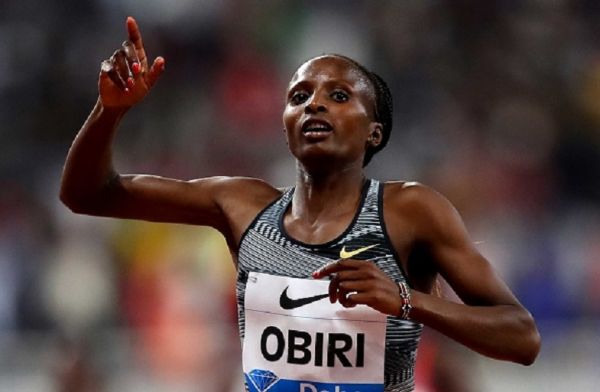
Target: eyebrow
[335, 82]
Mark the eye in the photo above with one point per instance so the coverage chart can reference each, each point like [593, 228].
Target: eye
[299, 97]
[340, 96]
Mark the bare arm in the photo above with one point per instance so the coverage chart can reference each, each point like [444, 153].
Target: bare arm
[124, 80]
[491, 321]
[90, 184]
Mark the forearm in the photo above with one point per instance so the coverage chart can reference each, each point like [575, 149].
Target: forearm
[505, 332]
[88, 168]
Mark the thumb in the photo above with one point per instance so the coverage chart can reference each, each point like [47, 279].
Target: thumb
[157, 68]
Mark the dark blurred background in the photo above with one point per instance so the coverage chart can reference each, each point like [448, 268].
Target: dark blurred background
[497, 106]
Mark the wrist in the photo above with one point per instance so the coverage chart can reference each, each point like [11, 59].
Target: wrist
[405, 300]
[111, 111]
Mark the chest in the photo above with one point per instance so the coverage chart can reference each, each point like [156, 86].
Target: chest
[280, 245]
[318, 232]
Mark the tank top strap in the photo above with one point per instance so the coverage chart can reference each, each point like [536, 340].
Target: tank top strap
[367, 220]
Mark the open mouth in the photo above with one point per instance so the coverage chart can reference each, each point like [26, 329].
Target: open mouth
[316, 128]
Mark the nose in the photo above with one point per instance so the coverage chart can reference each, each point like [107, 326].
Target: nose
[315, 105]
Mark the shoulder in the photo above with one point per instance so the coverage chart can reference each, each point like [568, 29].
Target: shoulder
[239, 200]
[242, 190]
[412, 194]
[250, 184]
[420, 205]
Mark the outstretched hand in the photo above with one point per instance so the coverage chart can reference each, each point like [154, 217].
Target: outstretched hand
[125, 77]
[361, 282]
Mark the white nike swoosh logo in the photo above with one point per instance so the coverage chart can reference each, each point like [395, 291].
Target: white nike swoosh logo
[344, 254]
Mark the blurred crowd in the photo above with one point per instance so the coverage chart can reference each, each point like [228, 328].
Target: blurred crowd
[497, 106]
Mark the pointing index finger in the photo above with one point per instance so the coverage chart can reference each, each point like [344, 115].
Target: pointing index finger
[136, 38]
[336, 266]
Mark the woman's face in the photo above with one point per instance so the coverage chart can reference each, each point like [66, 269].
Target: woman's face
[328, 115]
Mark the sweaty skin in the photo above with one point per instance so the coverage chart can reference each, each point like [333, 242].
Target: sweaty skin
[328, 126]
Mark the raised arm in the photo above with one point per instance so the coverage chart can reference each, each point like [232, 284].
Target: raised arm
[90, 185]
[88, 176]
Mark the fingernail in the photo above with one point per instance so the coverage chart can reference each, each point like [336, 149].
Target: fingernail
[130, 83]
[315, 274]
[135, 68]
[126, 90]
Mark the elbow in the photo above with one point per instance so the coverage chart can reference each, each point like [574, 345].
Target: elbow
[531, 342]
[531, 353]
[528, 357]
[72, 203]
[79, 204]
[86, 199]
[67, 199]
[69, 196]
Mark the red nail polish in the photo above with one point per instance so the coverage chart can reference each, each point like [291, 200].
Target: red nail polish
[135, 68]
[130, 82]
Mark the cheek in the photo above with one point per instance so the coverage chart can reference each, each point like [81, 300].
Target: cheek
[358, 123]
[289, 117]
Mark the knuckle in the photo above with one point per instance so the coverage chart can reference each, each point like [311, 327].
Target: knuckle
[106, 66]
[119, 54]
[377, 296]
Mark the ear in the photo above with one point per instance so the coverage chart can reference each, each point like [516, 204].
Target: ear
[375, 134]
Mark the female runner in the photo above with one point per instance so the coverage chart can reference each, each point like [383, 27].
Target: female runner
[380, 244]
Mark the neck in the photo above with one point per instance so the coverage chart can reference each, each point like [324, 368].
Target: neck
[326, 194]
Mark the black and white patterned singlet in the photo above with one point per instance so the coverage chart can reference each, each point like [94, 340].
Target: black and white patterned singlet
[265, 247]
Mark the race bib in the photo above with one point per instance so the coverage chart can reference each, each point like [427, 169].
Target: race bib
[296, 340]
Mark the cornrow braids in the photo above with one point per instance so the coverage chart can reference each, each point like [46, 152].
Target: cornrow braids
[384, 105]
[384, 109]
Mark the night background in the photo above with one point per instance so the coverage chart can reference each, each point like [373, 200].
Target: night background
[497, 106]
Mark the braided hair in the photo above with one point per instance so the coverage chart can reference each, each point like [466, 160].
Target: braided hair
[384, 106]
